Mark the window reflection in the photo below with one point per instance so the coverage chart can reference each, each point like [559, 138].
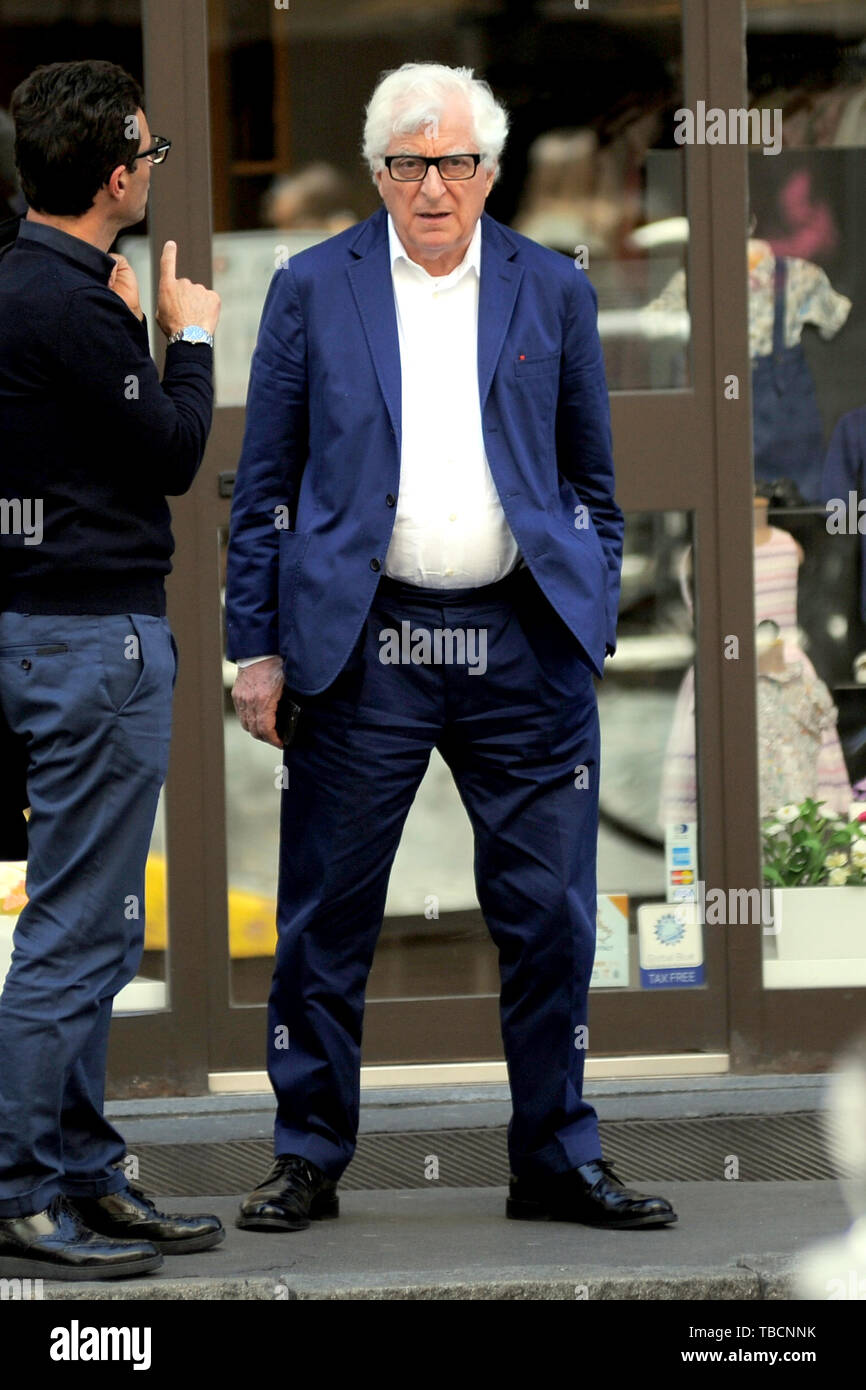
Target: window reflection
[807, 327]
[591, 167]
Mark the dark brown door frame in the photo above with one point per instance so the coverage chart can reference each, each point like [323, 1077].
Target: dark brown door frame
[167, 1052]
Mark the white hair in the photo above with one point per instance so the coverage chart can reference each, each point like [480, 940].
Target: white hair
[417, 95]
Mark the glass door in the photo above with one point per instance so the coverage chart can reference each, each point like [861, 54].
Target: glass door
[593, 169]
[807, 325]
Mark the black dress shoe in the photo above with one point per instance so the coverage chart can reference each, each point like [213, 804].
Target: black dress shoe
[56, 1244]
[591, 1194]
[130, 1215]
[294, 1193]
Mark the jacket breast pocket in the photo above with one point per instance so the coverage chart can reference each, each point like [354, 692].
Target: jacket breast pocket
[544, 364]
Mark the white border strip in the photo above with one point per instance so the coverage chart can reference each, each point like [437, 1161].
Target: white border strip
[483, 1073]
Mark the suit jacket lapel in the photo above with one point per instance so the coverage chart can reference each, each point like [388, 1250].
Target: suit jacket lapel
[370, 279]
[500, 282]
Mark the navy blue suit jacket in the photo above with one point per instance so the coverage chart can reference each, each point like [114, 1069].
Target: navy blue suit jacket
[323, 439]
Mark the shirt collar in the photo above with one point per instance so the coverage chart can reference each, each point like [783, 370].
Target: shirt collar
[84, 252]
[471, 261]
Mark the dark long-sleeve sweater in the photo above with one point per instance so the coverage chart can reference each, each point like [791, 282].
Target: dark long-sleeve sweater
[91, 441]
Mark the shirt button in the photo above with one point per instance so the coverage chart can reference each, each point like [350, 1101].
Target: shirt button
[453, 516]
[374, 565]
[449, 571]
[390, 500]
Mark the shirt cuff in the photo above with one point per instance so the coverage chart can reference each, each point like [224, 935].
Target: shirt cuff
[251, 660]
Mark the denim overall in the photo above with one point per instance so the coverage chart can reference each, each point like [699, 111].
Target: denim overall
[788, 434]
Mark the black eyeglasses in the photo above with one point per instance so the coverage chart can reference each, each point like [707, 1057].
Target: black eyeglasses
[157, 152]
[412, 168]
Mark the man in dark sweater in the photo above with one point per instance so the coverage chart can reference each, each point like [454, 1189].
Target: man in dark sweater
[92, 442]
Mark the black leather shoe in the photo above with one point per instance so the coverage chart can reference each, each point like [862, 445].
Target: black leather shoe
[591, 1194]
[130, 1215]
[56, 1244]
[294, 1193]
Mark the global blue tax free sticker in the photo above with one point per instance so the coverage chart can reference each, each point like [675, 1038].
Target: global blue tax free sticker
[670, 944]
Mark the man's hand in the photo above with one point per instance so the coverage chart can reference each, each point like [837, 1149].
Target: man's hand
[122, 280]
[256, 693]
[180, 302]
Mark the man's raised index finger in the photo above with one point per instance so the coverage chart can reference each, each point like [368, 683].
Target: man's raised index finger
[168, 260]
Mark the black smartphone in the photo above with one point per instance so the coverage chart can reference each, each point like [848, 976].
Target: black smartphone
[286, 721]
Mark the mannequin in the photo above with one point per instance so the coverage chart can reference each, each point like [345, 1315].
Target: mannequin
[786, 294]
[763, 529]
[789, 695]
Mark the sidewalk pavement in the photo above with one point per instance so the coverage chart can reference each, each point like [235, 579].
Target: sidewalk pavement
[734, 1240]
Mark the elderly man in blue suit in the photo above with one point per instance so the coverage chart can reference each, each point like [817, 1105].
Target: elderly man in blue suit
[425, 552]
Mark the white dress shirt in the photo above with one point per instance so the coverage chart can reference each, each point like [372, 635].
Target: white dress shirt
[450, 531]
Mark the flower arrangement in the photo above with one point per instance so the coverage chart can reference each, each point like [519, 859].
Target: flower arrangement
[805, 844]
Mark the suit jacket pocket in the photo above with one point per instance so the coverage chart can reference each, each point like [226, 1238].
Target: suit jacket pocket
[537, 364]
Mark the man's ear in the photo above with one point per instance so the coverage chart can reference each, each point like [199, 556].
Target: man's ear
[117, 181]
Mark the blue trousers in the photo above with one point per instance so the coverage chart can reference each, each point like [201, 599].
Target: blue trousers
[521, 739]
[92, 697]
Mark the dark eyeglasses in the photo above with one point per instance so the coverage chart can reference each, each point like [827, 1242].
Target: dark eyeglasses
[412, 168]
[157, 152]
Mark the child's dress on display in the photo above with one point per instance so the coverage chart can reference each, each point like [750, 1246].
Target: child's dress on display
[776, 571]
[786, 294]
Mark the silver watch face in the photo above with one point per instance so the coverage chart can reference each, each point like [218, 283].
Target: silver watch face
[194, 334]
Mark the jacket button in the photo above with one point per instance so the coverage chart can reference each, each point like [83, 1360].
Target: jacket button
[374, 565]
[391, 499]
[26, 664]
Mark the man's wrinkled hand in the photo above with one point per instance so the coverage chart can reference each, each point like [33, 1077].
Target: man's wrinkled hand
[256, 694]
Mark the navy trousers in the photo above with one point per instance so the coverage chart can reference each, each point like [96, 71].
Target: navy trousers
[521, 739]
[92, 697]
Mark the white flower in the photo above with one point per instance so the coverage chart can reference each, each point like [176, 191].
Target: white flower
[835, 861]
[774, 829]
[839, 876]
[827, 813]
[858, 853]
[788, 813]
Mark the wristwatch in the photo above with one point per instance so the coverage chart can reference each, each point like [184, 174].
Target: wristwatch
[191, 334]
